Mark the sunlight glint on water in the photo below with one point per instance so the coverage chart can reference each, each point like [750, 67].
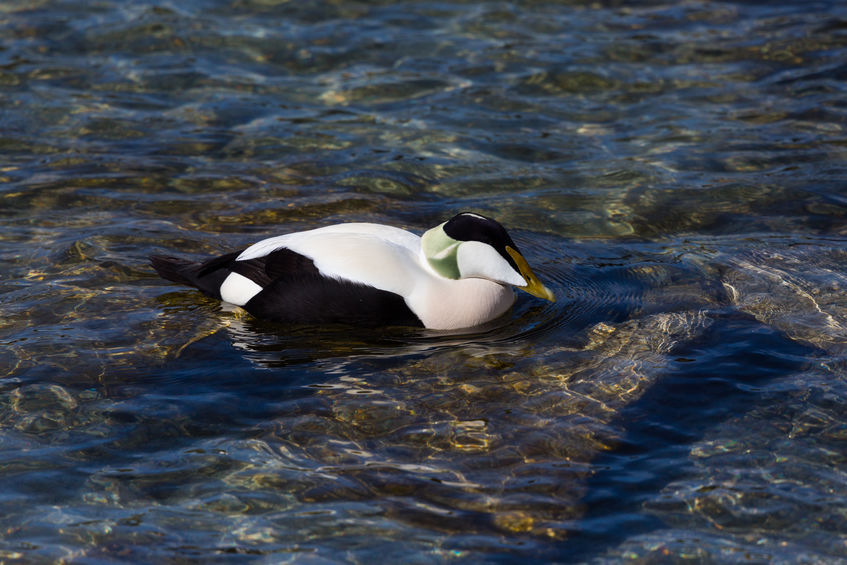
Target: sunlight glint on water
[674, 172]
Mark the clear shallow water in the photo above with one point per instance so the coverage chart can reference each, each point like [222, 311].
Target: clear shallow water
[675, 172]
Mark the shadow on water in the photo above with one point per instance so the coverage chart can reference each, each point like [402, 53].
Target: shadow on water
[712, 379]
[215, 382]
[254, 376]
[299, 357]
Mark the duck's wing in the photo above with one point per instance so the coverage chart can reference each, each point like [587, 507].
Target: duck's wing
[328, 276]
[303, 239]
[350, 273]
[377, 256]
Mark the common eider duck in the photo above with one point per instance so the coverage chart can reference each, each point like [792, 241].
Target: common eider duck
[457, 275]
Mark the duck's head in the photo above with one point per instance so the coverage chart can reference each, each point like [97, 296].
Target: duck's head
[473, 246]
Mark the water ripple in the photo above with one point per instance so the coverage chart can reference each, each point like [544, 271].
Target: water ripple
[674, 171]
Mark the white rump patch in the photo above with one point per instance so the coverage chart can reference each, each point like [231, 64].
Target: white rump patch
[238, 289]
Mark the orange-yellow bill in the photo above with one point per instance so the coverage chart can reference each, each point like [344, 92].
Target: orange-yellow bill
[533, 286]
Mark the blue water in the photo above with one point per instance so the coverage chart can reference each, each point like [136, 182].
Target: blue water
[675, 172]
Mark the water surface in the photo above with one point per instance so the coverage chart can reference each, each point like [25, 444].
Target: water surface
[676, 173]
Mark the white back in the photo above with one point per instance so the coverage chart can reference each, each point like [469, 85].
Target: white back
[383, 257]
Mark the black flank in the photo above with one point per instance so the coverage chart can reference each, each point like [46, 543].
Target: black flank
[312, 298]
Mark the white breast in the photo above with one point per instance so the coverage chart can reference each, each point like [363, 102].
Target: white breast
[444, 304]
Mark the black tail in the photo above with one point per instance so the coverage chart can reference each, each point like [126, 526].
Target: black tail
[175, 269]
[208, 276]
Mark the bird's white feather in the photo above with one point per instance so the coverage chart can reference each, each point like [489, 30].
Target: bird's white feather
[303, 239]
[238, 289]
[446, 304]
[477, 259]
[382, 257]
